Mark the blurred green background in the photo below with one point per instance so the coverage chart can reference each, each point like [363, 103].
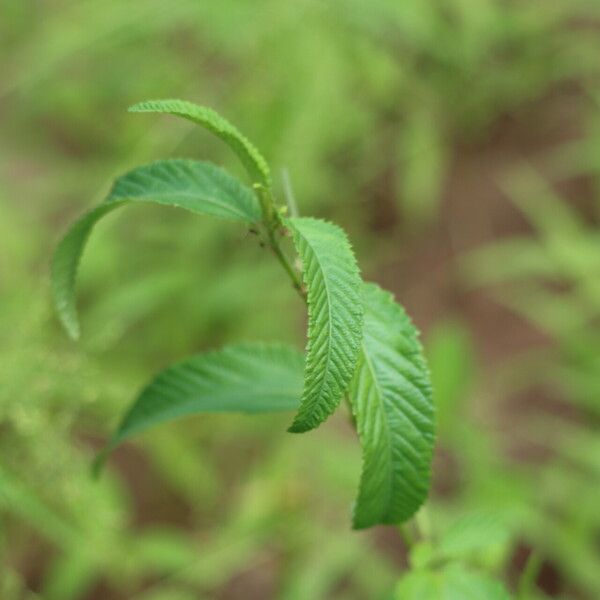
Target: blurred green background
[458, 142]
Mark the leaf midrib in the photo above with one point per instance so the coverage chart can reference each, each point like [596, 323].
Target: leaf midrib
[185, 193]
[390, 482]
[330, 324]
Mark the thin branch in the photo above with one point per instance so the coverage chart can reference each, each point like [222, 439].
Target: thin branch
[529, 576]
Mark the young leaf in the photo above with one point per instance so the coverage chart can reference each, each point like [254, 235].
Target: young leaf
[251, 158]
[250, 378]
[391, 401]
[454, 582]
[476, 535]
[334, 317]
[198, 187]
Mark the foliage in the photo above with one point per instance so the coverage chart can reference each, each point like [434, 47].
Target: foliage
[386, 115]
[335, 315]
[334, 331]
[251, 378]
[391, 400]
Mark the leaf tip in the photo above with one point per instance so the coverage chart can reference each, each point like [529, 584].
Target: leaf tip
[137, 107]
[145, 106]
[300, 426]
[98, 464]
[67, 316]
[72, 329]
[360, 520]
[163, 105]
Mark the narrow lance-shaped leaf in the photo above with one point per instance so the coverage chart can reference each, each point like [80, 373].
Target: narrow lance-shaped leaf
[250, 378]
[334, 317]
[251, 158]
[196, 186]
[392, 404]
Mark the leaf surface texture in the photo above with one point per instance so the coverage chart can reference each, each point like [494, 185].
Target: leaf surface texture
[334, 317]
[392, 403]
[251, 158]
[248, 378]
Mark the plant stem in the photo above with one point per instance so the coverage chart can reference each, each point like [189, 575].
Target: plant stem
[529, 575]
[423, 524]
[406, 535]
[285, 263]
[273, 224]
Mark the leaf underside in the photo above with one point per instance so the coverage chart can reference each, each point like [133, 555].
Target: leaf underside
[249, 378]
[251, 158]
[199, 187]
[335, 315]
[391, 401]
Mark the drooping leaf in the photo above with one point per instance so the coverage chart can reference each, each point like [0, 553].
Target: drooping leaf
[334, 317]
[454, 582]
[196, 186]
[249, 378]
[391, 400]
[251, 158]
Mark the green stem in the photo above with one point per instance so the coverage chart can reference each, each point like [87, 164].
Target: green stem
[423, 524]
[267, 205]
[407, 536]
[273, 224]
[529, 575]
[285, 263]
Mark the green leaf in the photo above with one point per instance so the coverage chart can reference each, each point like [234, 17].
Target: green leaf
[391, 400]
[251, 158]
[477, 534]
[198, 187]
[454, 582]
[335, 315]
[249, 378]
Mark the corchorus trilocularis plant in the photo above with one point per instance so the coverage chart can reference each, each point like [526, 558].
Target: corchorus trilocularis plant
[361, 344]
